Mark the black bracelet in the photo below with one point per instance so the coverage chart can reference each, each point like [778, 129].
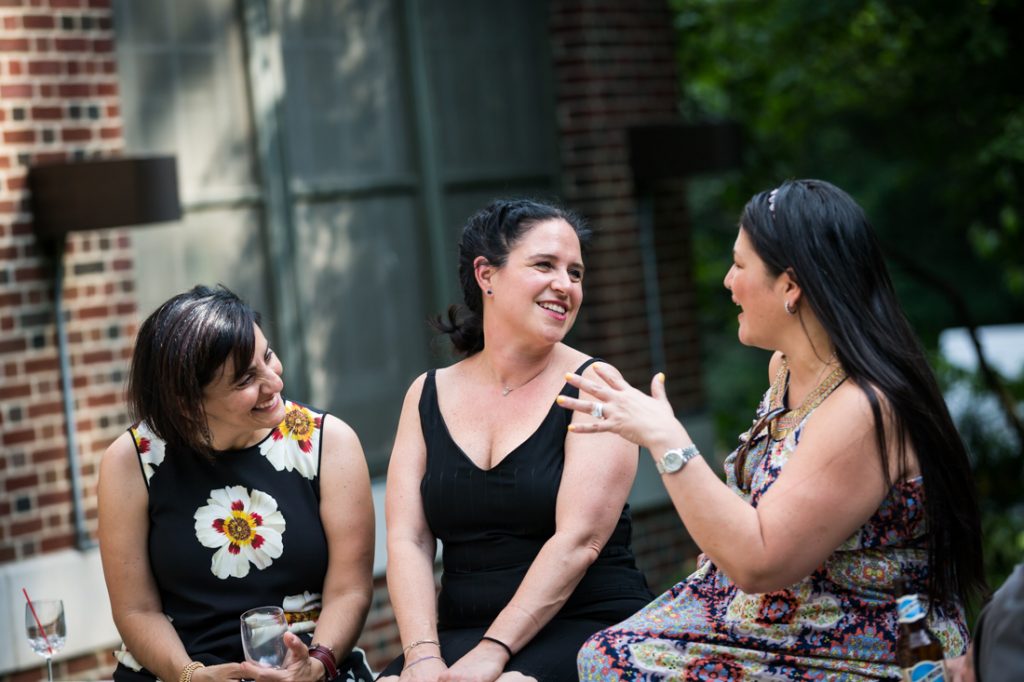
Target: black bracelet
[499, 643]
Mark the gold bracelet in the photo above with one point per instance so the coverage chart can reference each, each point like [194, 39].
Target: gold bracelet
[186, 672]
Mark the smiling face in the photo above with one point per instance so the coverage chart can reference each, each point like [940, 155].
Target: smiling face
[237, 411]
[540, 287]
[758, 293]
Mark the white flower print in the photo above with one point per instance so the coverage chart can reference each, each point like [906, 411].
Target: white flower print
[125, 658]
[244, 527]
[294, 444]
[149, 447]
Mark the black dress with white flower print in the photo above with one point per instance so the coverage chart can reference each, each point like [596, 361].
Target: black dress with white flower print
[240, 531]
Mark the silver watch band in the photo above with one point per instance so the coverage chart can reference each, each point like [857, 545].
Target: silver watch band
[675, 459]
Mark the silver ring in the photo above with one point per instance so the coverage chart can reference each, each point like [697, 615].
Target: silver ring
[597, 411]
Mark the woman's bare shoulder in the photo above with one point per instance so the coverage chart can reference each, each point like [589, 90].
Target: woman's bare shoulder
[571, 359]
[122, 450]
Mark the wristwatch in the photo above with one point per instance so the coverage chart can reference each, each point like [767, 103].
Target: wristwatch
[675, 459]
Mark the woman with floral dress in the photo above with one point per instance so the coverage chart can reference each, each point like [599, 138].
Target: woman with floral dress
[225, 496]
[851, 477]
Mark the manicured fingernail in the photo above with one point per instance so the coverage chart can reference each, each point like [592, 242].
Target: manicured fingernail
[572, 427]
[661, 377]
[560, 399]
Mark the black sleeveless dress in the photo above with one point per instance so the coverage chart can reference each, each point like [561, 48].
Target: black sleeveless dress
[239, 530]
[492, 523]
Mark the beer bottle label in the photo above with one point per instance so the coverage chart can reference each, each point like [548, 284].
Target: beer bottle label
[925, 671]
[909, 608]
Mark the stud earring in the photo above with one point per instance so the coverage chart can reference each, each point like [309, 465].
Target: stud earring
[490, 293]
[790, 308]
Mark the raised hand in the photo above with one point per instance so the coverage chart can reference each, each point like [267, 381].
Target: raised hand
[640, 418]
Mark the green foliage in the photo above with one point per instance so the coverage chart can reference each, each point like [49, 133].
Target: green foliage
[915, 108]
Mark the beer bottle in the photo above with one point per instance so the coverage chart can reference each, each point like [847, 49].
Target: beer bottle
[918, 651]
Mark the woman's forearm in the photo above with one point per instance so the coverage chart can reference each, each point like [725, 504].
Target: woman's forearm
[151, 639]
[723, 525]
[799, 519]
[412, 590]
[548, 584]
[342, 619]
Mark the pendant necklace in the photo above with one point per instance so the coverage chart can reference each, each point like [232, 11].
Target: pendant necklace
[505, 390]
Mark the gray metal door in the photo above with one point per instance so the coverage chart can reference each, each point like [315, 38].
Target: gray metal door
[329, 151]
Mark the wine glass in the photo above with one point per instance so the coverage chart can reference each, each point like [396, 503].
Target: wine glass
[46, 630]
[263, 631]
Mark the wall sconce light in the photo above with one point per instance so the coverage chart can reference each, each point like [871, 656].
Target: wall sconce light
[90, 195]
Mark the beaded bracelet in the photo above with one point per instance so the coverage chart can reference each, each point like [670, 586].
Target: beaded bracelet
[500, 643]
[405, 651]
[325, 655]
[186, 672]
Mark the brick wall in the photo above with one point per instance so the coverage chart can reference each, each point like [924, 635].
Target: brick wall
[615, 68]
[58, 101]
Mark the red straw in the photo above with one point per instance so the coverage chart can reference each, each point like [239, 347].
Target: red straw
[38, 622]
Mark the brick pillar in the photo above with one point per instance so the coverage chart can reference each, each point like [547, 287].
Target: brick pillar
[615, 68]
[58, 102]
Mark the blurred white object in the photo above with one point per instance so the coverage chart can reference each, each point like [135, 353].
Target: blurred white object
[1003, 346]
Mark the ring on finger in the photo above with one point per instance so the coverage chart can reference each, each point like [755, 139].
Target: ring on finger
[597, 411]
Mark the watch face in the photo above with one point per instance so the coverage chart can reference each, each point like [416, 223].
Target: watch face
[672, 461]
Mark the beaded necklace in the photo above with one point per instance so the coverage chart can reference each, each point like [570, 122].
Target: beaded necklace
[781, 426]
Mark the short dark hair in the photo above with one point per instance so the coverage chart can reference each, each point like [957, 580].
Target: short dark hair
[179, 350]
[821, 236]
[492, 232]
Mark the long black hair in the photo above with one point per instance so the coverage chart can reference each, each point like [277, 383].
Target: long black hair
[492, 232]
[179, 350]
[819, 234]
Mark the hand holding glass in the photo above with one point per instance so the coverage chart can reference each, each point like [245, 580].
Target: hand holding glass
[263, 631]
[50, 639]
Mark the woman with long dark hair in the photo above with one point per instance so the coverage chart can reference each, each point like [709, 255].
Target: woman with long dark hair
[536, 537]
[852, 477]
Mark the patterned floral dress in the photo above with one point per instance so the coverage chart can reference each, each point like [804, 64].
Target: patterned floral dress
[234, 532]
[839, 623]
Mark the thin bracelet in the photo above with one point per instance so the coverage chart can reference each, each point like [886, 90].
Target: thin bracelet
[415, 644]
[186, 672]
[500, 643]
[420, 660]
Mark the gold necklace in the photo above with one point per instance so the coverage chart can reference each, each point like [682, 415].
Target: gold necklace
[505, 389]
[786, 422]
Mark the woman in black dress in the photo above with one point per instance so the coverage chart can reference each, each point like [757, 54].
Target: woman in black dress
[533, 522]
